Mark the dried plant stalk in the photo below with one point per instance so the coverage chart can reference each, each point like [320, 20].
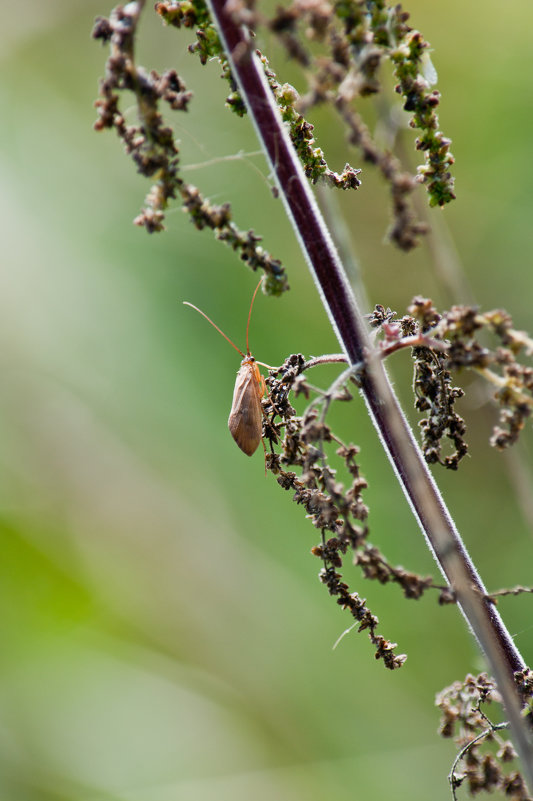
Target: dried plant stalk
[421, 491]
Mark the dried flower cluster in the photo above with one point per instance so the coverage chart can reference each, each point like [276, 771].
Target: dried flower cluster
[461, 328]
[440, 343]
[433, 389]
[485, 758]
[195, 15]
[454, 344]
[152, 146]
[301, 133]
[357, 37]
[338, 512]
[302, 137]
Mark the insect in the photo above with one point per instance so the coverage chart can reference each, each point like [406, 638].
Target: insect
[246, 416]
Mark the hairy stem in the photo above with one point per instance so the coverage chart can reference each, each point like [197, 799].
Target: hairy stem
[348, 323]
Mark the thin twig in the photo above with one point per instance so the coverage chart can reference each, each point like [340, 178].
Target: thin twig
[518, 590]
[492, 728]
[327, 358]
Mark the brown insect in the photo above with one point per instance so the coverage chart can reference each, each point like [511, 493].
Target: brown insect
[246, 416]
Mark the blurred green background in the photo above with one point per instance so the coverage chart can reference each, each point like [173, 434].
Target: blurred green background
[163, 632]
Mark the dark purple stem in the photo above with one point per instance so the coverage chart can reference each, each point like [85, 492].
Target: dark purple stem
[349, 325]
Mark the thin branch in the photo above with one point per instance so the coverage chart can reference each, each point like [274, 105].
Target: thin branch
[327, 358]
[518, 590]
[454, 780]
[349, 325]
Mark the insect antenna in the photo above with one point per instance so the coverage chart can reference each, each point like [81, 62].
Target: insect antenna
[250, 315]
[233, 345]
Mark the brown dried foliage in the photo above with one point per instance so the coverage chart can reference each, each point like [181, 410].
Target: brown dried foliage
[486, 758]
[152, 146]
[338, 512]
[455, 344]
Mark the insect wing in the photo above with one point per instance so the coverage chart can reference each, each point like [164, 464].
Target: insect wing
[246, 417]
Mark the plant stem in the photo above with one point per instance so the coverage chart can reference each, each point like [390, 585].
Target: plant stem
[348, 323]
